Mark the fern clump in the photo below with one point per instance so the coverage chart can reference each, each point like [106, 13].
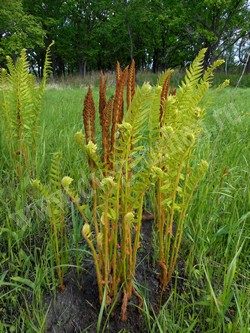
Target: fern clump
[149, 147]
[176, 170]
[20, 108]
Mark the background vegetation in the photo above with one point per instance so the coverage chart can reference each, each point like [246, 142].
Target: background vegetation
[93, 35]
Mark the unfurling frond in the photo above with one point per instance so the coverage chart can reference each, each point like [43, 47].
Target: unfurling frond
[89, 116]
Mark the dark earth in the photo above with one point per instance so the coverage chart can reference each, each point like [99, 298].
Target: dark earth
[76, 310]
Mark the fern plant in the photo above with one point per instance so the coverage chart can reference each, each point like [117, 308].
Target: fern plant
[151, 146]
[20, 108]
[176, 170]
[118, 188]
[53, 196]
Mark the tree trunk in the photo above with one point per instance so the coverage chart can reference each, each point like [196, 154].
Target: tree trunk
[210, 55]
[248, 66]
[156, 60]
[82, 67]
[131, 42]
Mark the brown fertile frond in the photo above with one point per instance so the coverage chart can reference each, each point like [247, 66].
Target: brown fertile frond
[131, 84]
[118, 105]
[118, 72]
[164, 96]
[102, 95]
[107, 114]
[89, 116]
[172, 91]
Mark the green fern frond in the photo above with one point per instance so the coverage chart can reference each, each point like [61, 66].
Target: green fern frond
[47, 69]
[41, 188]
[195, 70]
[209, 73]
[20, 107]
[144, 110]
[55, 172]
[163, 77]
[186, 92]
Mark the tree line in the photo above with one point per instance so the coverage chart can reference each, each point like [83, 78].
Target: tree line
[93, 35]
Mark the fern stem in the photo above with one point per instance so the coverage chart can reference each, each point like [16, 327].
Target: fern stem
[126, 235]
[56, 249]
[115, 236]
[76, 203]
[179, 232]
[105, 223]
[94, 203]
[160, 217]
[97, 267]
[137, 235]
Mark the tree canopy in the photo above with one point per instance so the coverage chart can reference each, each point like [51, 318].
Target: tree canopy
[91, 35]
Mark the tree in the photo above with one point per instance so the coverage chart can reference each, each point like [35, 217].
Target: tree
[217, 25]
[47, 12]
[77, 40]
[18, 29]
[91, 35]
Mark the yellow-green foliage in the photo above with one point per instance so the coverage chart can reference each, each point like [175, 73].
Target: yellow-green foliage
[20, 107]
[175, 165]
[153, 150]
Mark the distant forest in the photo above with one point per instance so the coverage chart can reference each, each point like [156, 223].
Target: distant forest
[93, 35]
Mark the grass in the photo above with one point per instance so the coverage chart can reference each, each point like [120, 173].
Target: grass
[215, 287]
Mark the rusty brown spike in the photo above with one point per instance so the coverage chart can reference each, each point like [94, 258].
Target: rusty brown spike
[89, 116]
[107, 113]
[118, 73]
[172, 91]
[131, 84]
[118, 106]
[102, 95]
[164, 96]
